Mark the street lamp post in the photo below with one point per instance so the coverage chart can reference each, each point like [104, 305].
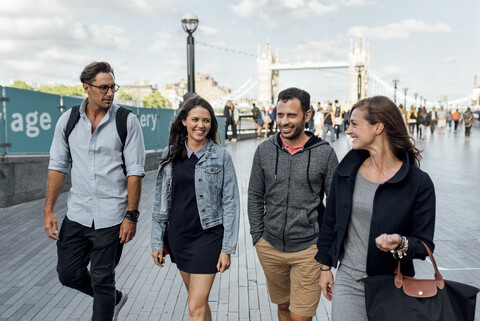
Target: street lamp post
[395, 83]
[190, 24]
[359, 68]
[405, 98]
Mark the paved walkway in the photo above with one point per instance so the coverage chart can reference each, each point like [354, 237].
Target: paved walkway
[29, 288]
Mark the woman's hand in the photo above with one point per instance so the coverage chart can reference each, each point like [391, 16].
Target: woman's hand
[223, 262]
[326, 283]
[158, 258]
[388, 242]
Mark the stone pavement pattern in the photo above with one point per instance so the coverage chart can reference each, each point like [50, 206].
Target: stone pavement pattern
[29, 288]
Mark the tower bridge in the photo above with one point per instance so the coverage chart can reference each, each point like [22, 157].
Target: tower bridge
[362, 81]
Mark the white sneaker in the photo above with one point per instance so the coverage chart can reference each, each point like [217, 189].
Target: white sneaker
[119, 306]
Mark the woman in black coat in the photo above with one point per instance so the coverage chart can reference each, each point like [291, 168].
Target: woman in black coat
[380, 207]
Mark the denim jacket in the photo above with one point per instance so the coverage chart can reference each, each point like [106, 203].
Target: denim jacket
[216, 191]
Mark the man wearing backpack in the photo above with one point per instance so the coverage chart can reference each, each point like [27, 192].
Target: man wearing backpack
[103, 202]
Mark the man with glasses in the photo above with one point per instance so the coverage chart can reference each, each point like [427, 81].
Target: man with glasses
[105, 193]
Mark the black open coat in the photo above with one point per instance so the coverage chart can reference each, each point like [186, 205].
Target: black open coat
[405, 205]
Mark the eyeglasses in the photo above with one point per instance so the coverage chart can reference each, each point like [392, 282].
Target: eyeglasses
[104, 88]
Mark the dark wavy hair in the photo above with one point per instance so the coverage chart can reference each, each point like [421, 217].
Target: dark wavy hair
[380, 109]
[178, 132]
[90, 72]
[300, 94]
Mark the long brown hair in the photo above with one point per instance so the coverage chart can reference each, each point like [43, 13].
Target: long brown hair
[178, 132]
[380, 109]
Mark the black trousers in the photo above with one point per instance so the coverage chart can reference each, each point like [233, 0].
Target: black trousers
[456, 124]
[467, 131]
[79, 245]
[234, 130]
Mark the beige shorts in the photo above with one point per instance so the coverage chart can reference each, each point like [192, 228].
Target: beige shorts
[291, 276]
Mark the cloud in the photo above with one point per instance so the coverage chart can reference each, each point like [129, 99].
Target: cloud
[207, 31]
[266, 9]
[400, 30]
[390, 72]
[34, 8]
[56, 56]
[450, 59]
[316, 51]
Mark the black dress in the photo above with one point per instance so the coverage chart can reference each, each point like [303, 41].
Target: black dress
[193, 249]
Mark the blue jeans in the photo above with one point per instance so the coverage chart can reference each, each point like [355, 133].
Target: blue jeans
[326, 128]
[78, 245]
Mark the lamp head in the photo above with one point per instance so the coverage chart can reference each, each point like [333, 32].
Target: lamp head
[189, 23]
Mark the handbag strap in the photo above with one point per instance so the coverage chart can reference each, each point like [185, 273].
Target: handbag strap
[438, 276]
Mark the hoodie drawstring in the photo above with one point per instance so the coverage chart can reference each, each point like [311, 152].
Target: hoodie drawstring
[308, 170]
[276, 164]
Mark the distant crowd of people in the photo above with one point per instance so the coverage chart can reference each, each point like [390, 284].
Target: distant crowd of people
[418, 120]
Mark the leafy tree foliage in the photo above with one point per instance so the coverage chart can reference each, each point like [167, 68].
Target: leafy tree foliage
[21, 84]
[156, 100]
[64, 90]
[123, 95]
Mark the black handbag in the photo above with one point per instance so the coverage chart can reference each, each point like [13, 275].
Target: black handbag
[399, 298]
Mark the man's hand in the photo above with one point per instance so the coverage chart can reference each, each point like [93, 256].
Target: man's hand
[158, 258]
[223, 262]
[51, 227]
[127, 231]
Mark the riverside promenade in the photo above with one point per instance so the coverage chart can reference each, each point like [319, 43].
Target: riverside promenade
[30, 290]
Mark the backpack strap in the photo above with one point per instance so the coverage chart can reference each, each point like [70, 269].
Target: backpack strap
[72, 121]
[121, 121]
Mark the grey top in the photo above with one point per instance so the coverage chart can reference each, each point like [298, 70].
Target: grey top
[99, 185]
[356, 240]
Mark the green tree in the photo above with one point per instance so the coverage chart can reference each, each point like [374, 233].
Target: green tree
[156, 100]
[63, 90]
[21, 84]
[123, 95]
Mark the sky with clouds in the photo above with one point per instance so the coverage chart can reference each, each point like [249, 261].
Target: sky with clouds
[432, 47]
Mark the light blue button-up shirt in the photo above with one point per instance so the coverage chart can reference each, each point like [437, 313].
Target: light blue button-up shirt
[99, 186]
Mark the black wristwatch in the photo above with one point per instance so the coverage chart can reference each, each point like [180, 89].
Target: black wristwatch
[132, 216]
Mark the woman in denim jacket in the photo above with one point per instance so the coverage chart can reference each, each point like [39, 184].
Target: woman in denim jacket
[197, 195]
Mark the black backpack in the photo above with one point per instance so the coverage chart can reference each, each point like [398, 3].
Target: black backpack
[256, 113]
[120, 120]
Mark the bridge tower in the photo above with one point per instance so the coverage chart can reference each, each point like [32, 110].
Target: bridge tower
[359, 62]
[267, 78]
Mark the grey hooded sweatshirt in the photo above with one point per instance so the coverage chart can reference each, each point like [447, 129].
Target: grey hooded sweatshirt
[285, 192]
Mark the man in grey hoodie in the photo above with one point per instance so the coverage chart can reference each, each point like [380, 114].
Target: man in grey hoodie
[291, 172]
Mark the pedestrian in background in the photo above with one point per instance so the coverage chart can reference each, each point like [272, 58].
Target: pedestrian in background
[290, 174]
[231, 119]
[197, 204]
[422, 116]
[258, 119]
[338, 118]
[434, 120]
[105, 194]
[266, 121]
[449, 120]
[318, 120]
[328, 117]
[469, 120]
[412, 120]
[272, 115]
[442, 120]
[456, 119]
[380, 208]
